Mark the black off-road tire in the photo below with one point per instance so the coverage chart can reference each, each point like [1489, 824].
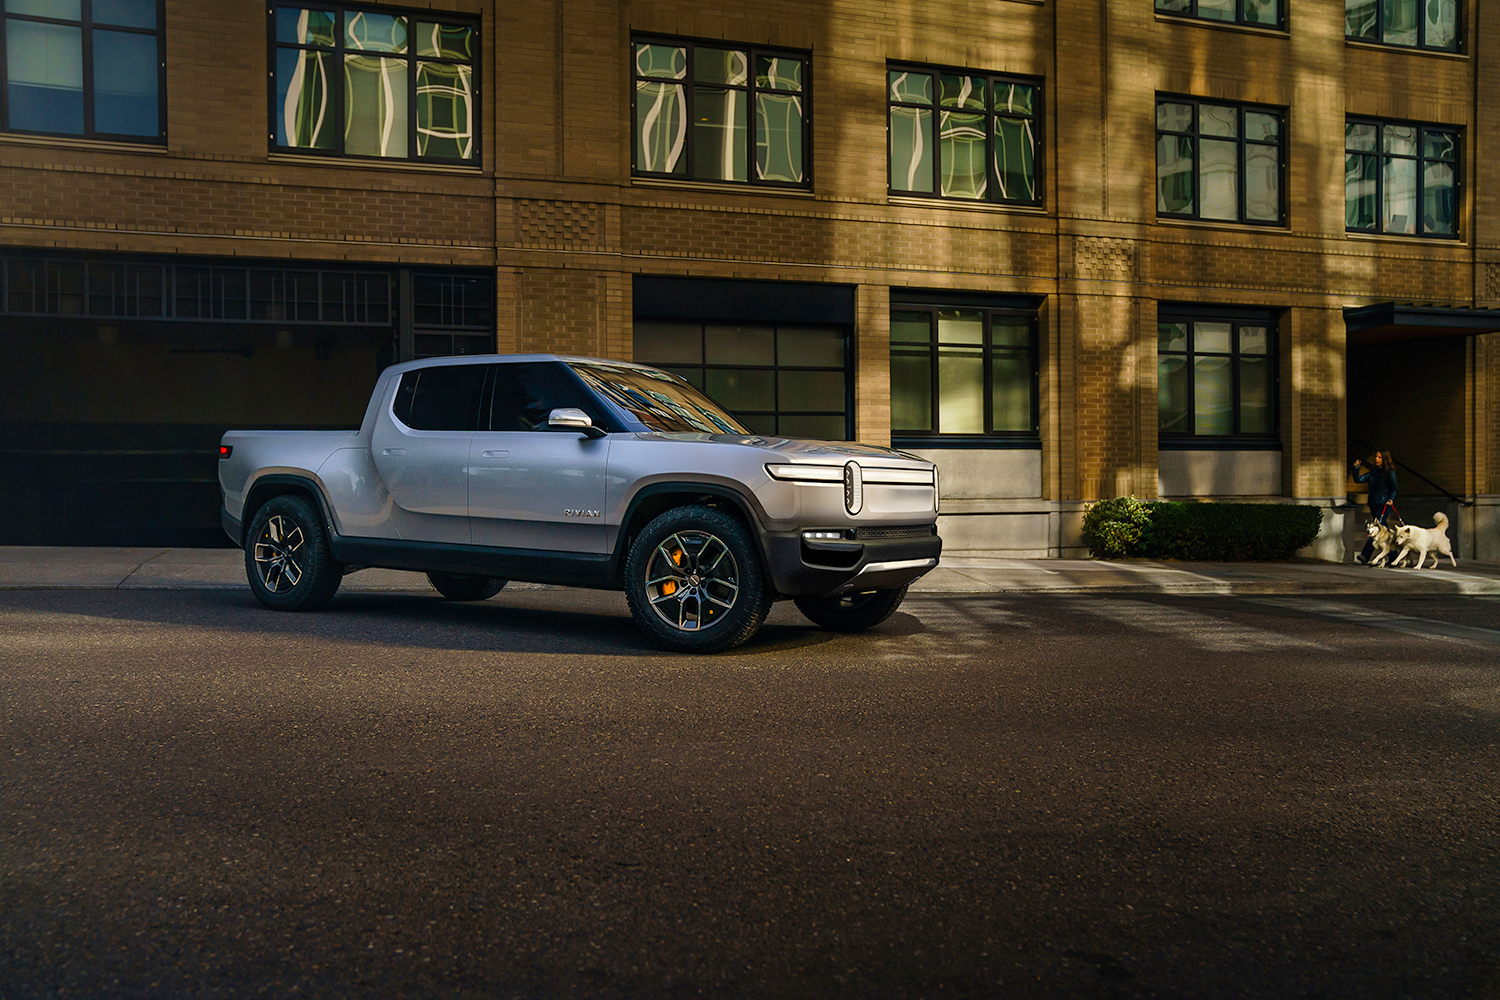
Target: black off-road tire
[694, 581]
[287, 559]
[466, 588]
[852, 612]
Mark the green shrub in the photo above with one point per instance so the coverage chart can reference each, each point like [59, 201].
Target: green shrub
[1215, 532]
[1116, 528]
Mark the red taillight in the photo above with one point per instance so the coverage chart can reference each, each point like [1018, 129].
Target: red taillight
[225, 450]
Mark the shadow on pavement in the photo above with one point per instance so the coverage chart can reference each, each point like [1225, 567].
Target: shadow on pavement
[553, 621]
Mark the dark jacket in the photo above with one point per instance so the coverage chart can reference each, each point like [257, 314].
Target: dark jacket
[1382, 487]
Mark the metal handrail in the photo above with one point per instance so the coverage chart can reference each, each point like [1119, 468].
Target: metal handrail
[1367, 447]
[1429, 482]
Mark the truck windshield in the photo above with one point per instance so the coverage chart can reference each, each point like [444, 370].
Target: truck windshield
[661, 401]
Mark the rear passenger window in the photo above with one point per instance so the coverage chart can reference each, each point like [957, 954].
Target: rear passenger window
[444, 398]
[526, 394]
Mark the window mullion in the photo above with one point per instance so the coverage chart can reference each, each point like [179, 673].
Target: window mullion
[339, 78]
[411, 92]
[1190, 377]
[86, 53]
[934, 352]
[1234, 378]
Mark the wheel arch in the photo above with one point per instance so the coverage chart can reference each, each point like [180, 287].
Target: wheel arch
[279, 484]
[656, 499]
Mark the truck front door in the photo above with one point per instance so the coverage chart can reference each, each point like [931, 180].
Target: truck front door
[531, 487]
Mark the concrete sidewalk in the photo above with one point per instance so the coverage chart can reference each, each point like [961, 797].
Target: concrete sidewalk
[74, 568]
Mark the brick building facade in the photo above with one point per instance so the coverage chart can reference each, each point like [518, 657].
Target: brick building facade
[1071, 249]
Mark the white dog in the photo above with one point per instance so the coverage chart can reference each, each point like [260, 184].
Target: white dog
[1383, 538]
[1425, 541]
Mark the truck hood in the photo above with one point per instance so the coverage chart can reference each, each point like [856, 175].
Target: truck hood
[791, 449]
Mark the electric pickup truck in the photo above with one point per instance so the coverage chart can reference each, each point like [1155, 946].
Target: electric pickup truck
[583, 472]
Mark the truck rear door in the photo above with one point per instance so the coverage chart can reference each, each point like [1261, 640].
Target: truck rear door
[421, 449]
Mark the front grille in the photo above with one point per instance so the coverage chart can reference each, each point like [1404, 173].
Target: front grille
[901, 531]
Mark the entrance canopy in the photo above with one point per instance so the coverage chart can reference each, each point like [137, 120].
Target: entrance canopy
[1389, 322]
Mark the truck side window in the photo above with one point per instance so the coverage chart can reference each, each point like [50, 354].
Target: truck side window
[526, 394]
[444, 398]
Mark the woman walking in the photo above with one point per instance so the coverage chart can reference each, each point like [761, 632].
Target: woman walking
[1382, 479]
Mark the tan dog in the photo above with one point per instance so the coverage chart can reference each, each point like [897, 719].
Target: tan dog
[1383, 538]
[1425, 541]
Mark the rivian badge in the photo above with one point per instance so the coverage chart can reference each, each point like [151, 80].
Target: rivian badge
[854, 488]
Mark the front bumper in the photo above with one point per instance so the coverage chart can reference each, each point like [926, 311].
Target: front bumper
[876, 559]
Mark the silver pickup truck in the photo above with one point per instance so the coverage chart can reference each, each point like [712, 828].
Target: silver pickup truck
[581, 472]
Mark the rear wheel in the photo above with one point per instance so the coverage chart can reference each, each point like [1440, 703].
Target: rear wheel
[852, 612]
[693, 581]
[287, 559]
[466, 588]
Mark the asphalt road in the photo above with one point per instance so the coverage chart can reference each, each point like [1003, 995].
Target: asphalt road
[998, 796]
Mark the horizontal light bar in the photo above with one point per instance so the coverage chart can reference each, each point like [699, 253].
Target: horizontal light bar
[807, 473]
[898, 477]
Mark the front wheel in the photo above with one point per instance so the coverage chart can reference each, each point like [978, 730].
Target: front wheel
[287, 559]
[466, 588]
[852, 612]
[693, 581]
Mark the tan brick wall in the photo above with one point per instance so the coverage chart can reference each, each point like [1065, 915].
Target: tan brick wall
[554, 208]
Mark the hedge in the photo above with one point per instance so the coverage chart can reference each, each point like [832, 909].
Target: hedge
[1219, 532]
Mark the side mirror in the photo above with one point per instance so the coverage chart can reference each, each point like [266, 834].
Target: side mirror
[568, 418]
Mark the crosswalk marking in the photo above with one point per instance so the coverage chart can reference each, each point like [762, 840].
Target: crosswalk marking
[1404, 624]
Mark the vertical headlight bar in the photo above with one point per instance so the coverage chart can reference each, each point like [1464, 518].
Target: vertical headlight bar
[854, 488]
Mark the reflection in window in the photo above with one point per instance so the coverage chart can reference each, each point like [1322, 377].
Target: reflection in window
[1424, 24]
[1215, 377]
[789, 380]
[962, 135]
[963, 371]
[719, 114]
[363, 83]
[1261, 13]
[1400, 178]
[83, 68]
[1219, 162]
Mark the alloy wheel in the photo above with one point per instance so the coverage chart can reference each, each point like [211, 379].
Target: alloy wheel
[278, 554]
[692, 580]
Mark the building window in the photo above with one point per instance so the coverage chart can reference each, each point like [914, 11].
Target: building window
[781, 379]
[1216, 375]
[1421, 24]
[719, 113]
[963, 371]
[452, 314]
[957, 134]
[1218, 162]
[374, 83]
[1260, 13]
[1400, 178]
[91, 68]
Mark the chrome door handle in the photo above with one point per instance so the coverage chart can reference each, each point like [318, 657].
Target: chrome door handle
[394, 451]
[497, 454]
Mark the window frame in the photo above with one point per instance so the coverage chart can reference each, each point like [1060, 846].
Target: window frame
[87, 29]
[1037, 119]
[1241, 141]
[1421, 43]
[1421, 160]
[751, 89]
[992, 308]
[1237, 439]
[338, 100]
[1238, 21]
[695, 374]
